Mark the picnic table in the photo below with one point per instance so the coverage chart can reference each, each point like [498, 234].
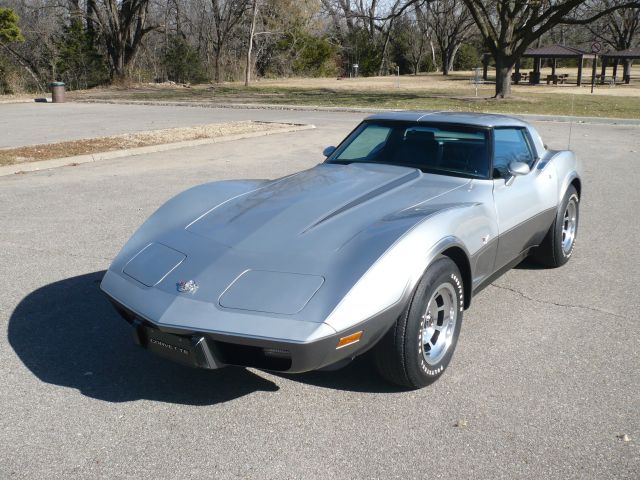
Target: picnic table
[520, 76]
[562, 78]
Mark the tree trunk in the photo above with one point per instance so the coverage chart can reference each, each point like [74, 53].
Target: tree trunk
[216, 62]
[452, 56]
[445, 61]
[118, 73]
[247, 73]
[384, 48]
[448, 57]
[433, 55]
[503, 76]
[91, 28]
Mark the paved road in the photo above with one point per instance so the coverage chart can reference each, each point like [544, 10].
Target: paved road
[36, 123]
[545, 374]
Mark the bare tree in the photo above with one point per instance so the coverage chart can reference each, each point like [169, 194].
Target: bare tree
[122, 26]
[227, 14]
[508, 28]
[619, 28]
[252, 31]
[373, 17]
[385, 27]
[342, 17]
[452, 24]
[420, 33]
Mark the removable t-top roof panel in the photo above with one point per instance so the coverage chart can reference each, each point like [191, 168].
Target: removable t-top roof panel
[271, 292]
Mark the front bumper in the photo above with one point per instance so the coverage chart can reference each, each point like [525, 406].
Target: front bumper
[193, 332]
[212, 350]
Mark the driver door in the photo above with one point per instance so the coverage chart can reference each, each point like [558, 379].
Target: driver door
[526, 204]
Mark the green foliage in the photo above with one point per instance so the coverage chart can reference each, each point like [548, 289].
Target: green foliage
[467, 58]
[315, 57]
[79, 64]
[9, 33]
[9, 29]
[361, 50]
[300, 53]
[182, 62]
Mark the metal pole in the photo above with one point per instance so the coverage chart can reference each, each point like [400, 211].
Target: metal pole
[593, 71]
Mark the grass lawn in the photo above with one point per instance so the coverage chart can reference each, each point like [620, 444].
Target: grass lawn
[381, 92]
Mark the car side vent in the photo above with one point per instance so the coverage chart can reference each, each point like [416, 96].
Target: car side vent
[277, 352]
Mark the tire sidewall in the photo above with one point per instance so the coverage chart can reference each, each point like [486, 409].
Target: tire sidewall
[443, 270]
[560, 253]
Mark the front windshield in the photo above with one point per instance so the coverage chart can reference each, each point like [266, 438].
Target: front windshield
[433, 148]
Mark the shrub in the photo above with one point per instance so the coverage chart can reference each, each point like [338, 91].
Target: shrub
[467, 58]
[182, 62]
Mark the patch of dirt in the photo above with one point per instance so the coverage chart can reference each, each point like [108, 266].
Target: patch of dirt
[33, 153]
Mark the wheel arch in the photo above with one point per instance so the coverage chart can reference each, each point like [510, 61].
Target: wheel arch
[460, 258]
[577, 184]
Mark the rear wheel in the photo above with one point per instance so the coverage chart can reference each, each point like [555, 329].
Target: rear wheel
[418, 348]
[557, 247]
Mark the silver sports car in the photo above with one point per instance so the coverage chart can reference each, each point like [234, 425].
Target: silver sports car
[379, 248]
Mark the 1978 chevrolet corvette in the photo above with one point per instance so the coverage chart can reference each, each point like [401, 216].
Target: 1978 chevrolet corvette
[381, 247]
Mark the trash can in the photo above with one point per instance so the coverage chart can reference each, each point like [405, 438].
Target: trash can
[57, 92]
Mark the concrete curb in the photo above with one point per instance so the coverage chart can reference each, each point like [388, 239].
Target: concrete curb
[24, 100]
[240, 106]
[318, 108]
[79, 159]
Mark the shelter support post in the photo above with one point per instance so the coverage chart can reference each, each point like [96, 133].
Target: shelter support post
[627, 71]
[580, 71]
[603, 70]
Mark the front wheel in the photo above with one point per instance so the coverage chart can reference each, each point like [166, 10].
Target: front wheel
[557, 247]
[418, 348]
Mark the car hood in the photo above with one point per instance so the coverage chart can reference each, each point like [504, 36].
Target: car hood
[318, 209]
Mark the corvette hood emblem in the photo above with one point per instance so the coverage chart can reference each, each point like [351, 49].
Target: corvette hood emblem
[189, 286]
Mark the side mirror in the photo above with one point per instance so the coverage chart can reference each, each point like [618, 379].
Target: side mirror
[517, 169]
[327, 152]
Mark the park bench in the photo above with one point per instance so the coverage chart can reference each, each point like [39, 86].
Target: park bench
[557, 78]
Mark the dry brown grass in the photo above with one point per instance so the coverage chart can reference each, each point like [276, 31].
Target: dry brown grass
[11, 156]
[458, 83]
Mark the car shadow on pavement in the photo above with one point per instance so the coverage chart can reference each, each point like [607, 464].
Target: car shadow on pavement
[68, 334]
[358, 376]
[529, 264]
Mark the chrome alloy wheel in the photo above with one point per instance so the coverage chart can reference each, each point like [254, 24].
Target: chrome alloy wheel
[439, 323]
[569, 224]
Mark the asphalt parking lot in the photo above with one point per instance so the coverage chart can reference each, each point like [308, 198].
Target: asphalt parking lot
[544, 381]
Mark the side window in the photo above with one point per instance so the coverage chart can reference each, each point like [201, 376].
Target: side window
[510, 144]
[369, 141]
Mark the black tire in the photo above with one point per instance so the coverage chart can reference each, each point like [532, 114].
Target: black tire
[399, 356]
[552, 253]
